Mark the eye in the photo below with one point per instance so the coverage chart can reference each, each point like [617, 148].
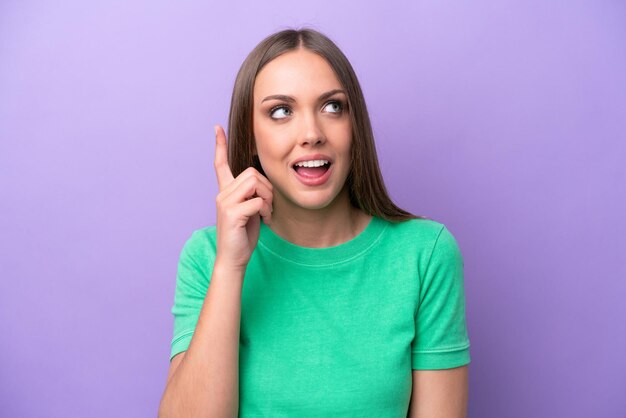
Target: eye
[333, 107]
[280, 112]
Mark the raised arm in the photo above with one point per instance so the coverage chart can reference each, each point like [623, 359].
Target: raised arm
[204, 380]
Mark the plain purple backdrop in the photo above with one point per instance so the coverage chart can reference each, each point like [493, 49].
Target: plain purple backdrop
[504, 120]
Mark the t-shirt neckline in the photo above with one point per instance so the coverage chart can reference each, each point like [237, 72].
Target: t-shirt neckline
[344, 252]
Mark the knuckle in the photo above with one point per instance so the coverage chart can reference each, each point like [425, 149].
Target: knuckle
[258, 176]
[250, 171]
[251, 181]
[262, 180]
[265, 181]
[243, 175]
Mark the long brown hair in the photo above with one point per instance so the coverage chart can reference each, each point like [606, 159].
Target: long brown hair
[365, 183]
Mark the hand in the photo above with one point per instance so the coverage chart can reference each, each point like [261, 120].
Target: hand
[240, 203]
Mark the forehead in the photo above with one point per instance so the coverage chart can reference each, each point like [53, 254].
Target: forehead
[299, 73]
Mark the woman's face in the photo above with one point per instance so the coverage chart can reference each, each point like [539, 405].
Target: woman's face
[300, 114]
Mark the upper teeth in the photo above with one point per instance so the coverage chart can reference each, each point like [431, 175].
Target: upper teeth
[312, 163]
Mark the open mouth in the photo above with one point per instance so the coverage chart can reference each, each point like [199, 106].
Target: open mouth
[312, 172]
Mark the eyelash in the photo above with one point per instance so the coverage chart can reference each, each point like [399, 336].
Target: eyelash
[282, 106]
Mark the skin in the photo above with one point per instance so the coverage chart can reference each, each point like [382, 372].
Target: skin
[310, 216]
[439, 393]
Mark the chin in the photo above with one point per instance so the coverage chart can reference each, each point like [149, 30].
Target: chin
[312, 204]
[318, 199]
[315, 200]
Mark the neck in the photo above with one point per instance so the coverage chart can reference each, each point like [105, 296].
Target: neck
[335, 224]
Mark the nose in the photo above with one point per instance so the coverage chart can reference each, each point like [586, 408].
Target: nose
[311, 132]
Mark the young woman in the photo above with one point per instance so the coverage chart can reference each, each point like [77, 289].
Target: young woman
[314, 295]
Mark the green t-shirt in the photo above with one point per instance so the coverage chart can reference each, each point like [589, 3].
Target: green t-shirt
[336, 331]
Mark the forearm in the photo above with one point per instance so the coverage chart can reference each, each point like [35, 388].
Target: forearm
[206, 383]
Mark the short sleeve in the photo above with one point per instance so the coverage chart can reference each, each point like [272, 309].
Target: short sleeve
[195, 266]
[441, 340]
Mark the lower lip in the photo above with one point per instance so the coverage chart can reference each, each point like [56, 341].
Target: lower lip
[314, 181]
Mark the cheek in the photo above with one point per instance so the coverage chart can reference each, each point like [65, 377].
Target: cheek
[262, 138]
[343, 132]
[270, 152]
[272, 142]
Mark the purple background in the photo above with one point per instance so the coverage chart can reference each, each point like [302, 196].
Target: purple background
[503, 120]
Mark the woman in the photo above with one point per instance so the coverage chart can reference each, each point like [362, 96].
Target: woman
[325, 298]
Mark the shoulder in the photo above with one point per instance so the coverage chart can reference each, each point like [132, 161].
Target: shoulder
[201, 242]
[419, 224]
[207, 233]
[422, 231]
[432, 240]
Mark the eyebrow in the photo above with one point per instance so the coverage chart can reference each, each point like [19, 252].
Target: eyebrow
[290, 99]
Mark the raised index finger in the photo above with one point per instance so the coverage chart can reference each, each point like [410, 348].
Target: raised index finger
[224, 175]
